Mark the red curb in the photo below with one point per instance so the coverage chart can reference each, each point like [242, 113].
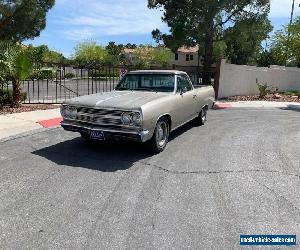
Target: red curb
[50, 123]
[222, 106]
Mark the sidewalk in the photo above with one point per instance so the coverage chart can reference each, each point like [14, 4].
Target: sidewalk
[13, 124]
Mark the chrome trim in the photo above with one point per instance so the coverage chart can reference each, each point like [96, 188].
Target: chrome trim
[104, 130]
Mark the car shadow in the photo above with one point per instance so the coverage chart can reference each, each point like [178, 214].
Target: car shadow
[292, 107]
[101, 156]
[105, 157]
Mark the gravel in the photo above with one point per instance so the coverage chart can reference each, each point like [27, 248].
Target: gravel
[26, 108]
[270, 98]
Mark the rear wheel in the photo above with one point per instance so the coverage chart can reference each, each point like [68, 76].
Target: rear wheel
[202, 117]
[160, 137]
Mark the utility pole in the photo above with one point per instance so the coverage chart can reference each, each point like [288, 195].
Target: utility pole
[288, 39]
[292, 13]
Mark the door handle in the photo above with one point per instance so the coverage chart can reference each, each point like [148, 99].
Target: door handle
[194, 96]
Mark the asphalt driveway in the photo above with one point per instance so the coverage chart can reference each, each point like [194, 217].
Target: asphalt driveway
[238, 174]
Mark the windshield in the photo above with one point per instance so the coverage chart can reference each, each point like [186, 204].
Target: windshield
[148, 82]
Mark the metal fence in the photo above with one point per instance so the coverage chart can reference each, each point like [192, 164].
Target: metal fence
[72, 81]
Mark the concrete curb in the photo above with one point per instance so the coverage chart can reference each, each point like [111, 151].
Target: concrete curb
[258, 104]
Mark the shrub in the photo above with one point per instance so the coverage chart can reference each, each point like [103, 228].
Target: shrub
[43, 74]
[264, 89]
[6, 97]
[69, 75]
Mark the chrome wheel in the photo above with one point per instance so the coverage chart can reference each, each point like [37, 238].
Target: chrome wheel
[203, 115]
[161, 133]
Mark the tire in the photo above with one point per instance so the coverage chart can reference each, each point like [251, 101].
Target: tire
[202, 117]
[160, 138]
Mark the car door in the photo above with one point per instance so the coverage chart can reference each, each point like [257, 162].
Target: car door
[186, 99]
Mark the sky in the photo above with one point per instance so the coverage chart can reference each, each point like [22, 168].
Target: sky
[122, 21]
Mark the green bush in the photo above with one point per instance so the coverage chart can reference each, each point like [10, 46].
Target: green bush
[264, 89]
[6, 97]
[69, 75]
[43, 74]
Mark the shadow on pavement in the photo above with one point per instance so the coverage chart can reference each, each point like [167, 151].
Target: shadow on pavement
[105, 157]
[293, 107]
[102, 156]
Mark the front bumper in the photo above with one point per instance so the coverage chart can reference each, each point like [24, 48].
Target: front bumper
[114, 134]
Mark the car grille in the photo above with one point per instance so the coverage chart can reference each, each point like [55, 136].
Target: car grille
[99, 116]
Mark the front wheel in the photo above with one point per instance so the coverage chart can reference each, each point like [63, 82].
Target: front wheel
[160, 137]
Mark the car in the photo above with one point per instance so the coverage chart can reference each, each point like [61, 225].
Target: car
[145, 106]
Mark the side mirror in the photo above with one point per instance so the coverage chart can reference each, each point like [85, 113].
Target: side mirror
[183, 90]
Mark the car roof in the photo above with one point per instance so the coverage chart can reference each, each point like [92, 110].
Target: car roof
[156, 72]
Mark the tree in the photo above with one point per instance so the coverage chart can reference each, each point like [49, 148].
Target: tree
[42, 54]
[16, 66]
[286, 45]
[23, 19]
[243, 40]
[147, 56]
[90, 53]
[130, 46]
[114, 53]
[266, 58]
[193, 22]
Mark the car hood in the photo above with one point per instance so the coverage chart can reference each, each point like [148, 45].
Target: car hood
[117, 99]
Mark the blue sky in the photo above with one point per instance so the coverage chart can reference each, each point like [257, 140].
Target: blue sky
[122, 21]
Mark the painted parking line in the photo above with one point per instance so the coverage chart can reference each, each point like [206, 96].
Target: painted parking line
[50, 123]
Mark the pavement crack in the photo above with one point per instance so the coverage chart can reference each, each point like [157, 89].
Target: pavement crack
[177, 172]
[276, 194]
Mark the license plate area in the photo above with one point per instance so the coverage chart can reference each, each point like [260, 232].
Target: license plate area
[97, 135]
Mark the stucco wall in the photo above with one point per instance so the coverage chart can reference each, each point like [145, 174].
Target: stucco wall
[241, 80]
[182, 59]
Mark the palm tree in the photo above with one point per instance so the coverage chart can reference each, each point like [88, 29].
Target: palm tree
[15, 66]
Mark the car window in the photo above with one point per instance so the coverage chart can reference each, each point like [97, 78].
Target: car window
[148, 82]
[183, 83]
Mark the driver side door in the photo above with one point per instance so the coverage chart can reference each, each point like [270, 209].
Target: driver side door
[185, 99]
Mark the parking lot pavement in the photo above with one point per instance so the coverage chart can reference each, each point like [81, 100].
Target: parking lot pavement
[238, 174]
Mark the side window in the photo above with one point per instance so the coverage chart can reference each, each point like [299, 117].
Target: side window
[183, 83]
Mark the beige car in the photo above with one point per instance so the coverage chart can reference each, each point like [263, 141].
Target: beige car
[145, 107]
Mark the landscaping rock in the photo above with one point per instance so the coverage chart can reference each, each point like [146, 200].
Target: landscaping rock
[269, 98]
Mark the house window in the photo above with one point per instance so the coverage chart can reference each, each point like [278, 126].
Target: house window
[176, 56]
[189, 57]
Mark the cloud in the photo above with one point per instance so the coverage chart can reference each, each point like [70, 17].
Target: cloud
[79, 34]
[94, 19]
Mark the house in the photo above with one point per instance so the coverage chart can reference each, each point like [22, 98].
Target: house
[129, 55]
[187, 57]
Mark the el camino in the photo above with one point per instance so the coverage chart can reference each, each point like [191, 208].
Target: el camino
[145, 107]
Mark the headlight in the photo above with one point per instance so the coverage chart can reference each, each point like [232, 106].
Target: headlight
[137, 119]
[131, 118]
[68, 112]
[126, 118]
